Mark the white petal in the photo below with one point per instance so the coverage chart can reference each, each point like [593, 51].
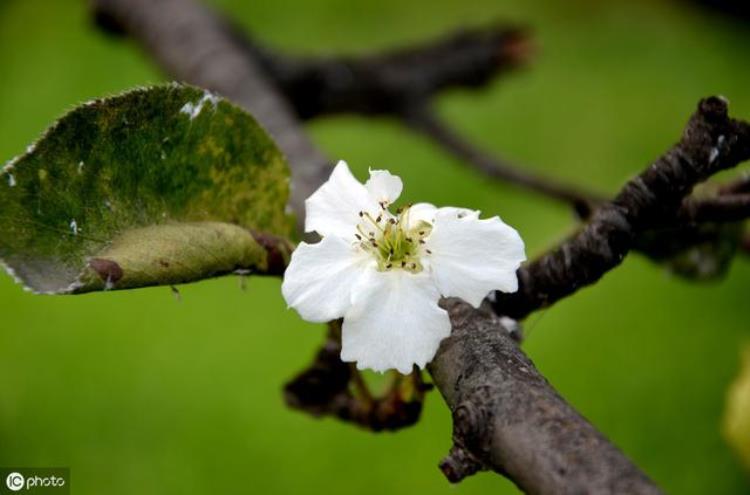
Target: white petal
[471, 257]
[395, 321]
[459, 212]
[421, 212]
[319, 279]
[334, 208]
[384, 186]
[425, 212]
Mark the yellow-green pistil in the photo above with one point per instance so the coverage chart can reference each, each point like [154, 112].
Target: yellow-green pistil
[389, 239]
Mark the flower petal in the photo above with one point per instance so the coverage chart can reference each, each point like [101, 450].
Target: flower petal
[395, 321]
[420, 212]
[425, 212]
[319, 279]
[334, 208]
[384, 186]
[471, 257]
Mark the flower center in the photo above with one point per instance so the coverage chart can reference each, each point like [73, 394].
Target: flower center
[390, 240]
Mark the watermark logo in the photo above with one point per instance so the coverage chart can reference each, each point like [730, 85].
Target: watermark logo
[35, 481]
[15, 481]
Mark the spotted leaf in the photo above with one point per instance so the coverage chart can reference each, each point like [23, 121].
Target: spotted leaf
[155, 186]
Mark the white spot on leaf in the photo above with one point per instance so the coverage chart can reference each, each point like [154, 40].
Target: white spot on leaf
[74, 227]
[80, 167]
[194, 109]
[11, 180]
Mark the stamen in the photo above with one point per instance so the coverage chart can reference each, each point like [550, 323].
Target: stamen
[391, 239]
[374, 222]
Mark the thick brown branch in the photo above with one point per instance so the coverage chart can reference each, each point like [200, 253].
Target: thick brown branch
[507, 417]
[710, 143]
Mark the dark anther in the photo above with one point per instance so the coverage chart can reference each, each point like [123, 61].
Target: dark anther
[358, 236]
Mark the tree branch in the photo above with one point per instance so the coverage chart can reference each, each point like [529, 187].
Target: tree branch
[711, 142]
[727, 208]
[507, 417]
[402, 83]
[387, 83]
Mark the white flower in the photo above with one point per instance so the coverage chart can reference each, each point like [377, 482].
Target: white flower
[384, 273]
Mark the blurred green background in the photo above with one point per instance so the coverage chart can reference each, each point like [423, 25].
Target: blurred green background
[139, 393]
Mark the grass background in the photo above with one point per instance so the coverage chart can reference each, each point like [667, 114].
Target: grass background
[139, 393]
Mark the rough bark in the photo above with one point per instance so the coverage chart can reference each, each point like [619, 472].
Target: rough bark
[711, 142]
[508, 418]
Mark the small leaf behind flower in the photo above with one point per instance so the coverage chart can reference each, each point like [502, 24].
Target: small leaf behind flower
[155, 186]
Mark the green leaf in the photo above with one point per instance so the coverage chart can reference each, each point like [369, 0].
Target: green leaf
[161, 185]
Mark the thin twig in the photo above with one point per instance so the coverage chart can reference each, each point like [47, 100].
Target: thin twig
[424, 120]
[737, 186]
[726, 208]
